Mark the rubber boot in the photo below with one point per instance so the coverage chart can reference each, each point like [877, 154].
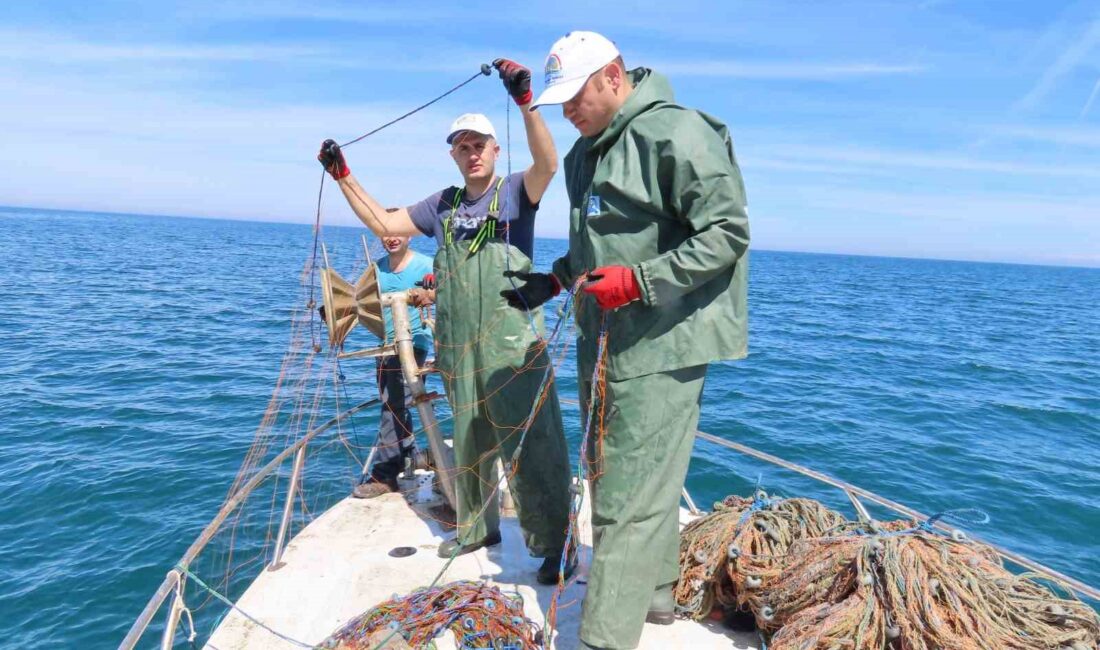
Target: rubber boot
[662, 606]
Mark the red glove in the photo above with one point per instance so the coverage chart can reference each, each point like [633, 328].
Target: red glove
[517, 80]
[613, 286]
[333, 159]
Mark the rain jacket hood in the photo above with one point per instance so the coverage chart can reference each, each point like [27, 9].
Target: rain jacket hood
[650, 91]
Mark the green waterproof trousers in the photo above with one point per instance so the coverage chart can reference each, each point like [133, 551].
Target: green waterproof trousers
[650, 424]
[494, 369]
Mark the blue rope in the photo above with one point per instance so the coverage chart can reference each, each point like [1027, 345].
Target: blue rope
[964, 516]
[758, 504]
[968, 516]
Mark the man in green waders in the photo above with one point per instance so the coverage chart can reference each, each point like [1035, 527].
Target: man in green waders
[659, 230]
[492, 358]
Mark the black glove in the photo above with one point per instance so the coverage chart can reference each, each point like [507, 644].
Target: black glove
[333, 159]
[539, 288]
[517, 80]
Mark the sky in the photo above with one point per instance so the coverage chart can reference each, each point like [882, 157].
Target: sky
[957, 129]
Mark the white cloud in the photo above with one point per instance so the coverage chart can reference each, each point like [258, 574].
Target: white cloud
[25, 48]
[1076, 136]
[980, 211]
[792, 71]
[882, 158]
[62, 49]
[1069, 58]
[1091, 99]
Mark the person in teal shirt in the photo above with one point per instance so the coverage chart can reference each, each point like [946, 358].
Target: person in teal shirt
[400, 270]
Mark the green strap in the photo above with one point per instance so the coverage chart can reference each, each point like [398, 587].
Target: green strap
[488, 228]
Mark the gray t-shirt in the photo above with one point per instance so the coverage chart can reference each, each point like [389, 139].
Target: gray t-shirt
[516, 219]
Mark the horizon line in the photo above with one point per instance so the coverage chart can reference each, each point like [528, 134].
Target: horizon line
[1091, 264]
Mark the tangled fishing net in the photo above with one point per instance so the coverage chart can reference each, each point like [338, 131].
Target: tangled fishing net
[725, 555]
[479, 615]
[816, 582]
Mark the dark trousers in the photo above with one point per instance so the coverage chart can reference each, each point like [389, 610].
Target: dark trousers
[396, 439]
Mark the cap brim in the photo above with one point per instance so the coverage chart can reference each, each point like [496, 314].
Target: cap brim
[451, 137]
[560, 92]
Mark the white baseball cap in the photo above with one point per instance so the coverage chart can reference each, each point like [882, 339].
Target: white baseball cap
[573, 59]
[475, 122]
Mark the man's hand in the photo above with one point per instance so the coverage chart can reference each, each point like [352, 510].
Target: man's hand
[428, 281]
[517, 80]
[538, 288]
[612, 286]
[421, 297]
[333, 159]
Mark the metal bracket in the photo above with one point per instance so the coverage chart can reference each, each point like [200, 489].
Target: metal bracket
[383, 351]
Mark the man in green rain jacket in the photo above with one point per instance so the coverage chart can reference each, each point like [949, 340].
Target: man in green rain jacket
[493, 359]
[659, 234]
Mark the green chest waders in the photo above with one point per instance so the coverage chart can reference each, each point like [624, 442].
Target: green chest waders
[493, 366]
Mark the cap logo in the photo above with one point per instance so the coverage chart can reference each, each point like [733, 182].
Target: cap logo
[553, 69]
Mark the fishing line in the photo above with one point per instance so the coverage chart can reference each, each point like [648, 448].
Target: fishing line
[507, 228]
[240, 611]
[483, 71]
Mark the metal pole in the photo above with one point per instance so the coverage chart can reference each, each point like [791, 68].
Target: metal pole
[690, 504]
[507, 503]
[174, 612]
[366, 249]
[861, 510]
[288, 509]
[402, 334]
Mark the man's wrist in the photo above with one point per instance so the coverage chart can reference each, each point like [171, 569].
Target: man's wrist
[524, 99]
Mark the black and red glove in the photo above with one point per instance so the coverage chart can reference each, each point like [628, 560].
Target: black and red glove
[428, 281]
[517, 80]
[612, 286]
[332, 158]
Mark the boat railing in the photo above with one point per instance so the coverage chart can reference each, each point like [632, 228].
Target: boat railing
[175, 578]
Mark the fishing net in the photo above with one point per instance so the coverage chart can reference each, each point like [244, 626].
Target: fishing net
[477, 614]
[907, 586]
[831, 585]
[725, 555]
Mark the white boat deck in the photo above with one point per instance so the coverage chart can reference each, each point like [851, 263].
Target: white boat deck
[339, 567]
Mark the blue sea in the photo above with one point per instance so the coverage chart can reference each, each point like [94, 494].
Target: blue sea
[138, 354]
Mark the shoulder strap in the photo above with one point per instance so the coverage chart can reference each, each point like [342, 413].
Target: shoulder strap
[448, 233]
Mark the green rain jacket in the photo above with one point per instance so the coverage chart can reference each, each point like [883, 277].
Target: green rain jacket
[659, 190]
